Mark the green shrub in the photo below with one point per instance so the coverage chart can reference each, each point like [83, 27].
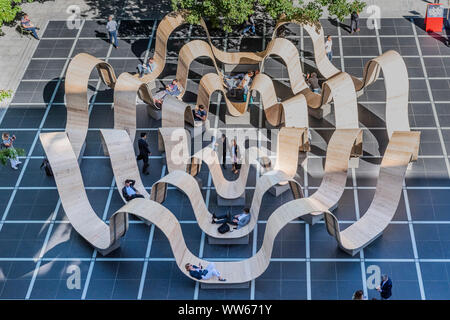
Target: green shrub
[10, 153]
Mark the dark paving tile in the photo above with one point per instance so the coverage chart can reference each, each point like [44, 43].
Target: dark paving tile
[20, 240]
[60, 29]
[115, 280]
[53, 48]
[33, 205]
[16, 277]
[44, 69]
[429, 205]
[23, 116]
[56, 280]
[395, 242]
[435, 277]
[164, 280]
[38, 92]
[432, 241]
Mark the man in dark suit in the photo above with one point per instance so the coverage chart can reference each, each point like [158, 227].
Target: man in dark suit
[129, 192]
[144, 152]
[222, 149]
[385, 288]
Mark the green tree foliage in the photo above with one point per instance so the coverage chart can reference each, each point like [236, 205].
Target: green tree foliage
[9, 10]
[4, 94]
[228, 13]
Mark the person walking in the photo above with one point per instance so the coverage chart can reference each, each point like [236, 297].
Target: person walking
[7, 142]
[111, 26]
[144, 152]
[328, 47]
[25, 22]
[385, 288]
[354, 22]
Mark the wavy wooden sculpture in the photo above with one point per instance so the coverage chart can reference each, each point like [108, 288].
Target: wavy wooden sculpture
[189, 186]
[126, 90]
[106, 238]
[77, 103]
[396, 82]
[176, 142]
[119, 148]
[402, 149]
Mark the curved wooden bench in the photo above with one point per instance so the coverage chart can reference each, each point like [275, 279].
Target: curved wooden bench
[189, 186]
[399, 153]
[119, 148]
[77, 103]
[107, 237]
[176, 142]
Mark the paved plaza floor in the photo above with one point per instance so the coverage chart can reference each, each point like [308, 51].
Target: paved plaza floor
[38, 246]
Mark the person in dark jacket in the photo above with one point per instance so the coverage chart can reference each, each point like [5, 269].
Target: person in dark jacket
[222, 149]
[144, 152]
[203, 274]
[354, 22]
[385, 288]
[129, 192]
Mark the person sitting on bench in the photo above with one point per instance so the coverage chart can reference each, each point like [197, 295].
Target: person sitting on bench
[129, 192]
[203, 274]
[199, 113]
[148, 67]
[27, 25]
[239, 220]
[173, 89]
[232, 82]
[313, 82]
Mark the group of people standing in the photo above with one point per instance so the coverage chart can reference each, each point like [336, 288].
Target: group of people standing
[385, 290]
[233, 149]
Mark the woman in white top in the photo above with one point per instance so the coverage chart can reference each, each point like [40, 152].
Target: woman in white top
[328, 47]
[8, 143]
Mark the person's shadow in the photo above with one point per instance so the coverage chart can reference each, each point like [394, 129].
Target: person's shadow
[338, 24]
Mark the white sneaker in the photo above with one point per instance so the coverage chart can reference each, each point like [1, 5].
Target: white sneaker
[15, 168]
[19, 162]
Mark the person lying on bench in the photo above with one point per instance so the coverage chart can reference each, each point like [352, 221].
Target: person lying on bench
[199, 113]
[232, 82]
[203, 274]
[129, 192]
[173, 89]
[239, 220]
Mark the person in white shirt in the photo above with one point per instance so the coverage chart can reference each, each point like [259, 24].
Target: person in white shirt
[328, 47]
[111, 27]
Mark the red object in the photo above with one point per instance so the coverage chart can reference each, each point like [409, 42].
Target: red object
[434, 18]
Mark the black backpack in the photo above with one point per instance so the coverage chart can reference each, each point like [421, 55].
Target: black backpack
[224, 228]
[47, 168]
